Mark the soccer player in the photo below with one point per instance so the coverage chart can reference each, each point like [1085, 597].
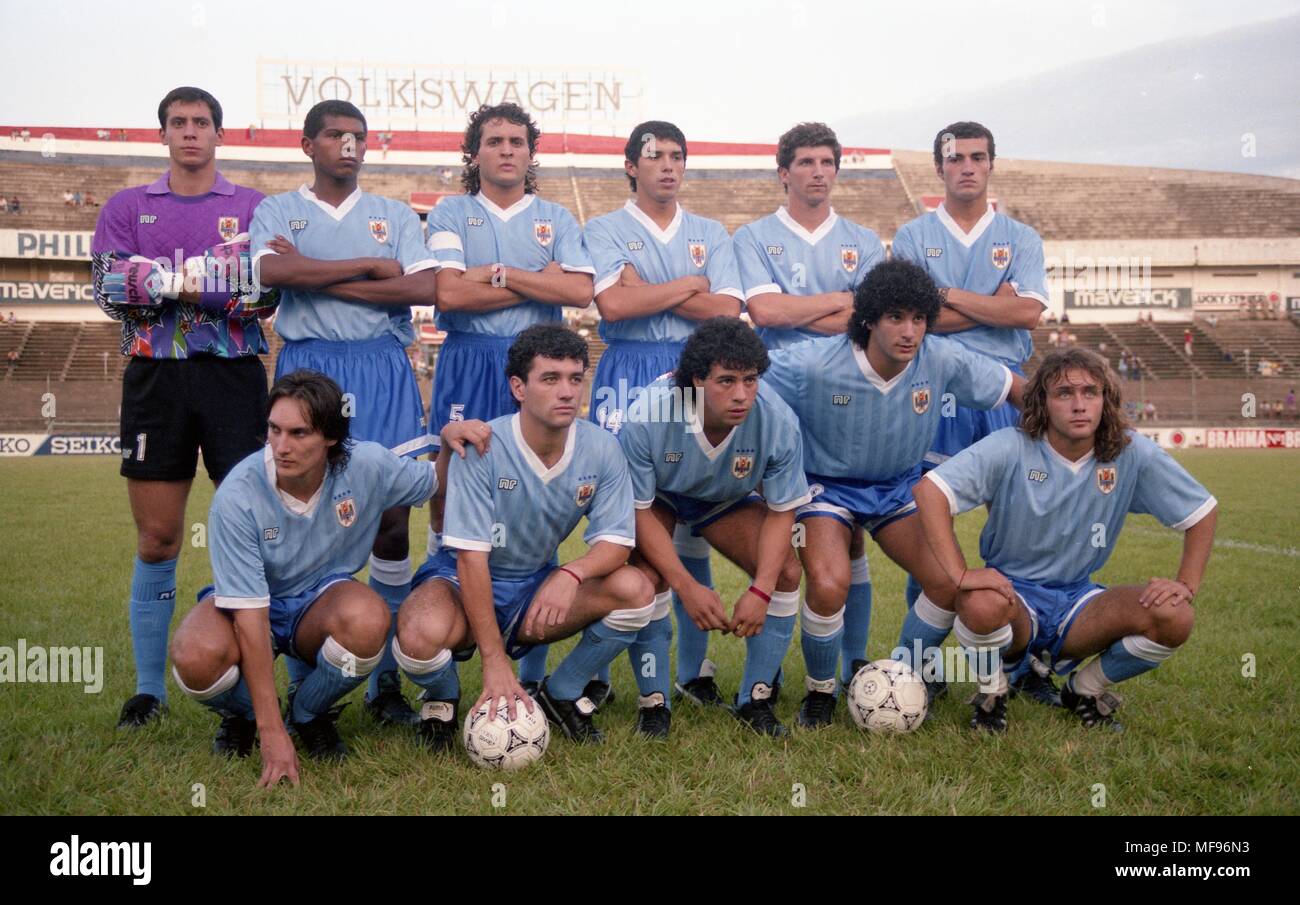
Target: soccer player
[660, 270]
[496, 582]
[991, 274]
[1058, 489]
[349, 266]
[868, 406]
[171, 263]
[700, 443]
[287, 530]
[800, 267]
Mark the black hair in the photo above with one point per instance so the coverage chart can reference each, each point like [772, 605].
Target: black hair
[189, 95]
[642, 134]
[806, 135]
[895, 285]
[960, 130]
[547, 341]
[322, 400]
[469, 146]
[725, 341]
[315, 120]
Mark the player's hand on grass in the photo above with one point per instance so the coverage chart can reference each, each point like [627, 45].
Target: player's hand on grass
[279, 760]
[552, 604]
[704, 606]
[749, 615]
[988, 579]
[1160, 591]
[500, 686]
[384, 269]
[458, 433]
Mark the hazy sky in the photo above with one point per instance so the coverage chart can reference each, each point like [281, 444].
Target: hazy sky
[722, 70]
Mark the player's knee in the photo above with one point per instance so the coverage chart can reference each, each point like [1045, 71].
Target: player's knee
[158, 544]
[417, 633]
[791, 575]
[630, 588]
[1171, 625]
[651, 575]
[364, 624]
[984, 611]
[826, 593]
[199, 659]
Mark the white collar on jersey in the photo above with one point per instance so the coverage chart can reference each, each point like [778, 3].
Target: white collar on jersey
[664, 236]
[504, 214]
[338, 213]
[289, 501]
[1075, 467]
[534, 462]
[812, 238]
[873, 378]
[970, 238]
[695, 425]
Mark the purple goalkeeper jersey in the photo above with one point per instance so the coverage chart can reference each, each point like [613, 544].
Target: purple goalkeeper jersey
[148, 221]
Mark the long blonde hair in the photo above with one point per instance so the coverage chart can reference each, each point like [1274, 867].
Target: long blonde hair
[1112, 432]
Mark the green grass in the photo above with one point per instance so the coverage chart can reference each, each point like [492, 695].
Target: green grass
[1201, 738]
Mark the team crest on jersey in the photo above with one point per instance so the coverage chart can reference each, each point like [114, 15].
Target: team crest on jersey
[228, 228]
[635, 245]
[1106, 478]
[379, 229]
[1001, 256]
[742, 463]
[296, 225]
[346, 510]
[921, 400]
[543, 231]
[1037, 475]
[586, 490]
[699, 252]
[776, 250]
[849, 257]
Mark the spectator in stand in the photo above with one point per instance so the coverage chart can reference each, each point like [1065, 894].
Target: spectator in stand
[1051, 317]
[1290, 397]
[15, 206]
[4, 205]
[67, 198]
[1054, 339]
[1101, 347]
[1187, 341]
[1150, 411]
[76, 199]
[252, 132]
[1212, 320]
[12, 355]
[1065, 317]
[1123, 367]
[11, 319]
[90, 200]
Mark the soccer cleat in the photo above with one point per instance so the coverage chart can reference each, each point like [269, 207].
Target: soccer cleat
[320, 737]
[818, 707]
[389, 707]
[1096, 711]
[140, 710]
[438, 725]
[757, 712]
[235, 737]
[531, 687]
[599, 693]
[1036, 686]
[990, 712]
[653, 718]
[572, 717]
[702, 689]
[854, 668]
[934, 690]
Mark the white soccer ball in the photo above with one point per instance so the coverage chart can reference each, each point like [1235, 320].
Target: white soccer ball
[887, 696]
[503, 743]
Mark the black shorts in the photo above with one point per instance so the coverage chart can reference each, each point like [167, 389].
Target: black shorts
[173, 407]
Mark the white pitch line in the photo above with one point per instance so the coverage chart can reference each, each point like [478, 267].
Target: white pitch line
[1230, 543]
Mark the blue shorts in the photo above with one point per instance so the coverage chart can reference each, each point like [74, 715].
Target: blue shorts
[469, 381]
[871, 504]
[387, 408]
[699, 514]
[511, 597]
[969, 426]
[1052, 612]
[626, 368]
[287, 612]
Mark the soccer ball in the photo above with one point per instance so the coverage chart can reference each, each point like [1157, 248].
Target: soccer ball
[887, 696]
[503, 743]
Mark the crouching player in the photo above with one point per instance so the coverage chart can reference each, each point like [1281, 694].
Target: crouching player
[496, 584]
[700, 443]
[1058, 489]
[288, 528]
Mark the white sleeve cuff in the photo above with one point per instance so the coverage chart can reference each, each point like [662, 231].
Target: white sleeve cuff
[1201, 512]
[243, 603]
[947, 491]
[583, 268]
[426, 264]
[609, 538]
[461, 543]
[445, 241]
[793, 504]
[761, 290]
[733, 292]
[1006, 389]
[1028, 294]
[642, 504]
[610, 280]
[452, 265]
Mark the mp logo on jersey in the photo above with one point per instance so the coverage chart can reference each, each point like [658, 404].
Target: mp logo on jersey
[346, 511]
[672, 458]
[635, 245]
[297, 225]
[1037, 475]
[379, 229]
[849, 257]
[698, 251]
[776, 250]
[507, 483]
[1106, 478]
[934, 252]
[586, 490]
[1001, 256]
[841, 398]
[921, 400]
[543, 231]
[228, 228]
[742, 463]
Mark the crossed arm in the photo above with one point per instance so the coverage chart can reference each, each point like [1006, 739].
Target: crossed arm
[375, 281]
[1004, 308]
[633, 297]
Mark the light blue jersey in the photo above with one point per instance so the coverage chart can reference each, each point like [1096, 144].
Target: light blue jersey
[997, 250]
[690, 245]
[776, 254]
[363, 226]
[1055, 522]
[265, 543]
[858, 425]
[470, 231]
[509, 504]
[668, 453]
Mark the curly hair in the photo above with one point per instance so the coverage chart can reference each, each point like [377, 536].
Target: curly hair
[469, 146]
[891, 286]
[961, 130]
[725, 341]
[641, 134]
[322, 400]
[546, 341]
[806, 135]
[1112, 433]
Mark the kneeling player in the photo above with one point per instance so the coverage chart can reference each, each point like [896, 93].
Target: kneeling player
[1058, 489]
[288, 528]
[699, 444]
[496, 583]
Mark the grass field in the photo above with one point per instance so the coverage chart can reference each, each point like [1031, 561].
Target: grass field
[1201, 739]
